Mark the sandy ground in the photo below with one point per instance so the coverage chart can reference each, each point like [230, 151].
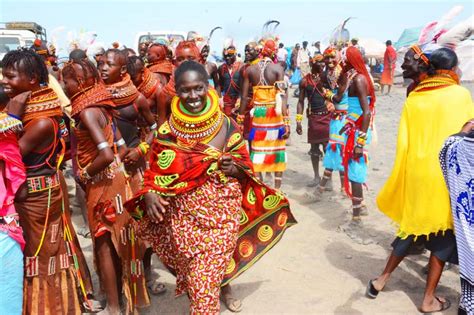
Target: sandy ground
[316, 268]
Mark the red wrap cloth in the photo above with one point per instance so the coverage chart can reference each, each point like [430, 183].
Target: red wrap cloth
[178, 167]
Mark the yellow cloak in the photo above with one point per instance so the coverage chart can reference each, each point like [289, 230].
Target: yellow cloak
[415, 195]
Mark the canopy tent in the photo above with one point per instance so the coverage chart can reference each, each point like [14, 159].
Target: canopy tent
[373, 48]
[409, 37]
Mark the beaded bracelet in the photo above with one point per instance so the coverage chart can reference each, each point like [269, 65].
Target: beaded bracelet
[361, 141]
[362, 135]
[328, 94]
[14, 116]
[143, 148]
[299, 118]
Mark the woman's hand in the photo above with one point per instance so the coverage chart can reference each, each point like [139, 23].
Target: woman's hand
[226, 165]
[155, 206]
[131, 157]
[16, 105]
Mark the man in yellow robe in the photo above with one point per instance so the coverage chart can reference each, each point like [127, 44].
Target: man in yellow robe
[415, 195]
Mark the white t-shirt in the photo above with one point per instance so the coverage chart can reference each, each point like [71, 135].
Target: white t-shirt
[282, 54]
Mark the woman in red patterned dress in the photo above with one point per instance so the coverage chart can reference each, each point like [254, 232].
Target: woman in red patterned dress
[199, 181]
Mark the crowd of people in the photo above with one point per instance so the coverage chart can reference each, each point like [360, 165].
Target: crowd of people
[168, 151]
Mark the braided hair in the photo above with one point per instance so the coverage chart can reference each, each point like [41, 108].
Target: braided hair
[132, 67]
[120, 55]
[90, 71]
[28, 62]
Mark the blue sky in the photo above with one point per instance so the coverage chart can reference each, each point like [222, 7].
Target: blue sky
[242, 20]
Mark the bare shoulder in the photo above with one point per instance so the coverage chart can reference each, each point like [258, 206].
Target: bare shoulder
[40, 125]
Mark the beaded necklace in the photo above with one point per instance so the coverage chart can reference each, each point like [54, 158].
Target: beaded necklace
[123, 92]
[42, 103]
[200, 127]
[333, 75]
[442, 78]
[149, 83]
[94, 95]
[161, 66]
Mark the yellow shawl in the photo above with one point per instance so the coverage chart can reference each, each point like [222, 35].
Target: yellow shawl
[415, 195]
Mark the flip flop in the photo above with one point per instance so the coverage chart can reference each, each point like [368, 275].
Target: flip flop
[371, 292]
[96, 306]
[155, 287]
[444, 306]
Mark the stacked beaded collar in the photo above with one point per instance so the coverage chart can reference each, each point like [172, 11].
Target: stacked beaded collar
[123, 92]
[161, 66]
[42, 103]
[94, 95]
[442, 78]
[149, 83]
[200, 127]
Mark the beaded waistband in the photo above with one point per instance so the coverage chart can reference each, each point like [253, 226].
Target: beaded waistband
[40, 183]
[320, 113]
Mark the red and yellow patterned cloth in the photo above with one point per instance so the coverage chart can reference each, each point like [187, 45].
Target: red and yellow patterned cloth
[210, 215]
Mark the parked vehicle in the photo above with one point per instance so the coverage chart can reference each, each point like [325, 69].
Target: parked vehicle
[19, 34]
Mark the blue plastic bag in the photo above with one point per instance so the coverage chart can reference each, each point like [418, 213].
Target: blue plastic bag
[296, 77]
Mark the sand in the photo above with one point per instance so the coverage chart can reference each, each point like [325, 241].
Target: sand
[316, 268]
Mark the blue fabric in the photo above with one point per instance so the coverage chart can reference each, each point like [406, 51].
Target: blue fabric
[211, 82]
[296, 77]
[357, 169]
[333, 159]
[11, 276]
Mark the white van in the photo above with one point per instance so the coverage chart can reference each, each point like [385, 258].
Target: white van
[153, 36]
[19, 34]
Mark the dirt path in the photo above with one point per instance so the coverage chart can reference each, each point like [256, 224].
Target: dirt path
[316, 269]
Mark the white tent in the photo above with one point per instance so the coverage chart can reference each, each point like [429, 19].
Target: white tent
[373, 47]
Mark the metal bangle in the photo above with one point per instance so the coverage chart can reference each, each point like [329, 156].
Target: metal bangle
[102, 145]
[120, 142]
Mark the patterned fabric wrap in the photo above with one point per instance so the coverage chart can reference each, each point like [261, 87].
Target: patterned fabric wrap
[50, 284]
[266, 134]
[177, 168]
[457, 159]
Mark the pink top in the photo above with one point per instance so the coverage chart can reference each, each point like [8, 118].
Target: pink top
[12, 176]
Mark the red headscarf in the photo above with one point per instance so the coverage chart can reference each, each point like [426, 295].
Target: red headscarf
[354, 58]
[330, 52]
[189, 44]
[269, 49]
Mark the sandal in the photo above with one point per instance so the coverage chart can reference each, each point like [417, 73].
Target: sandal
[95, 306]
[371, 292]
[444, 306]
[155, 287]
